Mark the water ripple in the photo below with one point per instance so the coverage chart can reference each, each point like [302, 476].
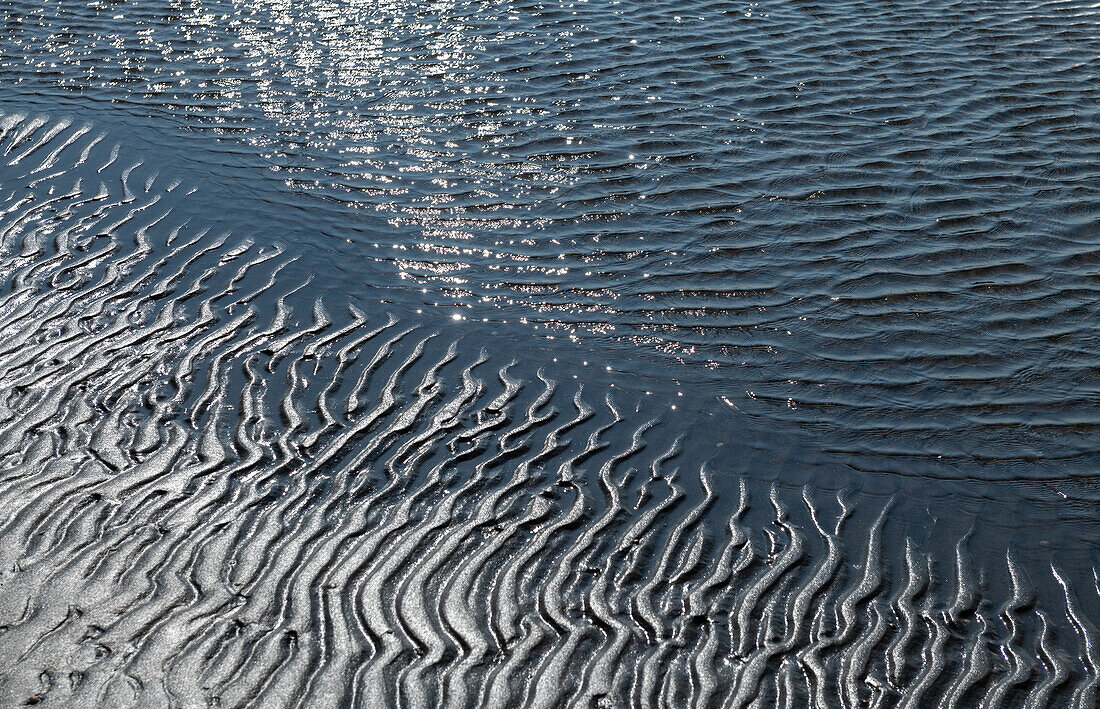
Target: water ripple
[879, 216]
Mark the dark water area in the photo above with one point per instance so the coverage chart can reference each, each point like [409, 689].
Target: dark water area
[596, 353]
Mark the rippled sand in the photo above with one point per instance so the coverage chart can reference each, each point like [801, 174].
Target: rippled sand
[587, 353]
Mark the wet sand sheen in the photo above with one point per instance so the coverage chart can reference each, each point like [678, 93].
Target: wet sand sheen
[219, 489]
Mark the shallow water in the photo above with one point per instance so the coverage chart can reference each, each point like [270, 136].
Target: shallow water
[637, 266]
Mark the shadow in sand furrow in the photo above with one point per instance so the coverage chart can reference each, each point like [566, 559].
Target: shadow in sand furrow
[217, 491]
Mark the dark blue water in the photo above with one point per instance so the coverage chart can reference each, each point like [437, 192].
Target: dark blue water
[877, 221]
[851, 245]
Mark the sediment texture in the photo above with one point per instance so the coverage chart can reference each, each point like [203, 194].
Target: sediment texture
[214, 492]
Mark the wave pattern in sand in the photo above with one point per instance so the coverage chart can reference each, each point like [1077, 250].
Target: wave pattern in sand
[212, 496]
